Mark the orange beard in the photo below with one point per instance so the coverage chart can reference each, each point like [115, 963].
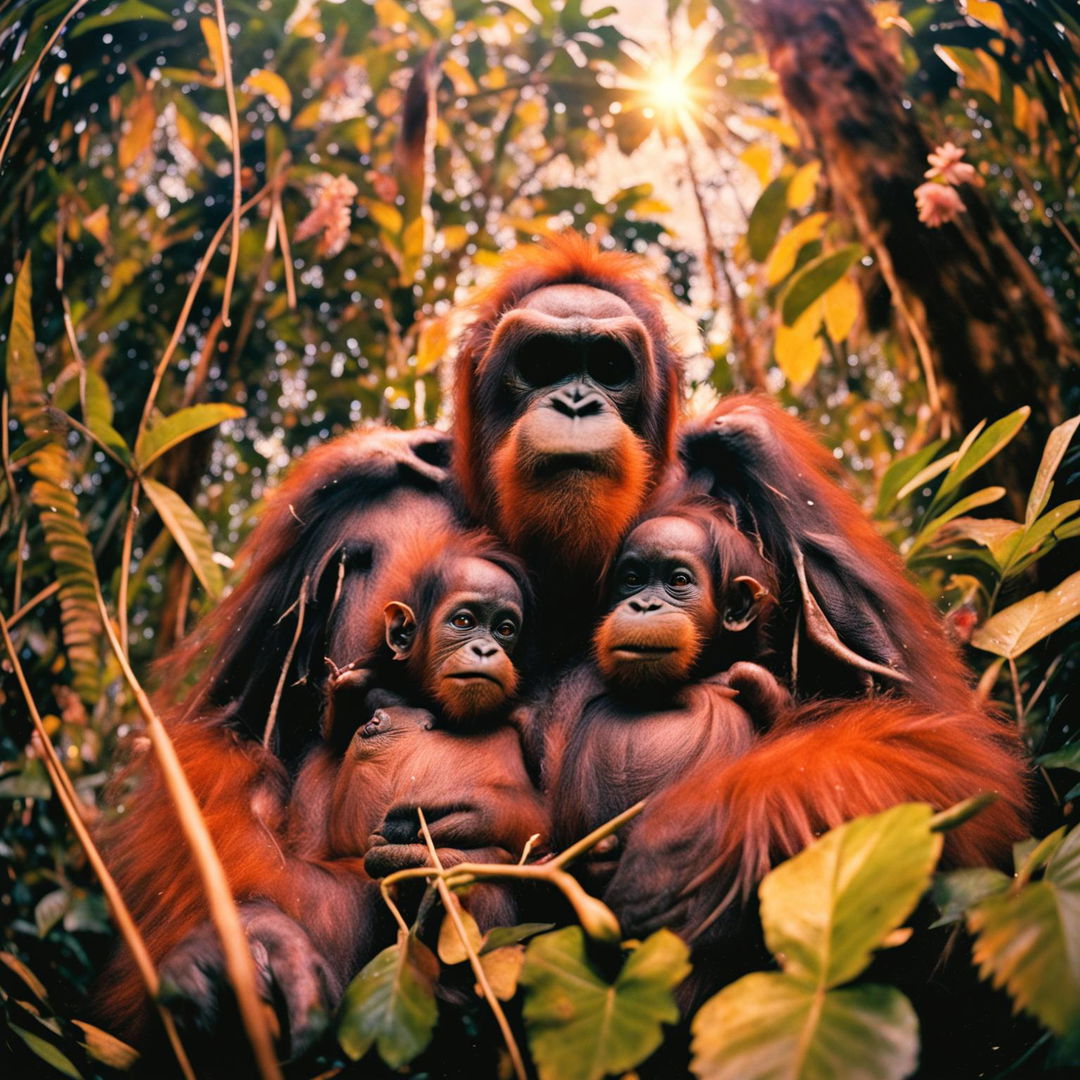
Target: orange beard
[581, 513]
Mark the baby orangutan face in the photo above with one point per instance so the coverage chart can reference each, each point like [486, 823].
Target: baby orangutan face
[668, 604]
[461, 652]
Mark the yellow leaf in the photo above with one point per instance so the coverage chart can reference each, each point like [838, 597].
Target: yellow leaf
[391, 15]
[651, 207]
[213, 47]
[454, 237]
[431, 345]
[495, 79]
[388, 102]
[97, 224]
[786, 250]
[137, 134]
[387, 217]
[459, 75]
[774, 126]
[988, 13]
[977, 70]
[503, 968]
[797, 348]
[758, 158]
[450, 948]
[310, 115]
[842, 305]
[803, 185]
[413, 245]
[274, 87]
[532, 112]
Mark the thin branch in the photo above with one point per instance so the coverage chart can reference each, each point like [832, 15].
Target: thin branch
[33, 603]
[451, 904]
[271, 719]
[125, 563]
[189, 301]
[75, 9]
[234, 943]
[234, 127]
[5, 452]
[69, 799]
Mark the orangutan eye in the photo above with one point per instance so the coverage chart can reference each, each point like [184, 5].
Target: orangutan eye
[631, 579]
[506, 629]
[680, 579]
[463, 621]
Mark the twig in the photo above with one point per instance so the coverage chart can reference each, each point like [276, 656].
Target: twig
[234, 127]
[271, 719]
[69, 799]
[33, 603]
[125, 562]
[451, 905]
[69, 322]
[75, 9]
[286, 252]
[234, 944]
[189, 301]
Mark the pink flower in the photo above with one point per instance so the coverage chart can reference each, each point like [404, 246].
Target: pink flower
[938, 204]
[947, 164]
[331, 215]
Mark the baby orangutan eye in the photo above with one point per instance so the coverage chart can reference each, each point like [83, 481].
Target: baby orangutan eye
[506, 629]
[463, 621]
[680, 579]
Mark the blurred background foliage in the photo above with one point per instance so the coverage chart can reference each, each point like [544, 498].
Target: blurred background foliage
[387, 154]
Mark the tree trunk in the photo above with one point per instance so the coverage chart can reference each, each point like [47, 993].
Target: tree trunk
[989, 329]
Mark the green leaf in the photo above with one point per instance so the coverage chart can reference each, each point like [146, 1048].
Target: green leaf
[1028, 941]
[47, 1052]
[1054, 451]
[978, 498]
[957, 892]
[580, 1026]
[1013, 631]
[814, 279]
[99, 416]
[391, 1003]
[976, 452]
[766, 218]
[924, 476]
[769, 1026]
[1026, 548]
[189, 533]
[126, 11]
[828, 908]
[501, 936]
[900, 472]
[169, 431]
[1068, 757]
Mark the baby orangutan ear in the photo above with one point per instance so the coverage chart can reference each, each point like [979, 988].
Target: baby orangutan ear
[747, 597]
[400, 629]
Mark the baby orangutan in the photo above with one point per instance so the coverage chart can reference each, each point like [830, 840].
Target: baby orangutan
[452, 616]
[674, 680]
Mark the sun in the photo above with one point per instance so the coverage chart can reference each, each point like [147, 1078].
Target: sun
[669, 92]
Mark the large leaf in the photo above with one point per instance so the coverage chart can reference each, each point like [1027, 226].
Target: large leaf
[69, 548]
[1013, 631]
[391, 1004]
[783, 256]
[976, 499]
[169, 431]
[770, 1026]
[23, 370]
[765, 219]
[977, 449]
[47, 1052]
[957, 892]
[583, 1027]
[189, 533]
[1054, 451]
[812, 281]
[900, 472]
[1028, 940]
[828, 908]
